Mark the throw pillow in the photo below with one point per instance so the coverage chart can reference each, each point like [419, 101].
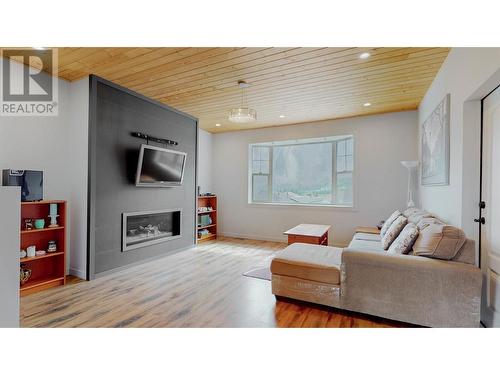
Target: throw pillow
[426, 221]
[393, 231]
[419, 215]
[389, 222]
[410, 211]
[403, 244]
[439, 241]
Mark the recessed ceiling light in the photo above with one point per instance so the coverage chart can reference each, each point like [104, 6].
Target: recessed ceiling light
[282, 116]
[367, 104]
[217, 125]
[364, 55]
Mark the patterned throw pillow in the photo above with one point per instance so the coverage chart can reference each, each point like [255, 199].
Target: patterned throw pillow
[389, 221]
[393, 231]
[419, 215]
[410, 211]
[403, 244]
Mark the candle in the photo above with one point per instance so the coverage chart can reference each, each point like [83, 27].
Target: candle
[53, 209]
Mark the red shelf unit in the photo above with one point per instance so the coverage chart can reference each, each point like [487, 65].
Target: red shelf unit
[207, 201]
[48, 270]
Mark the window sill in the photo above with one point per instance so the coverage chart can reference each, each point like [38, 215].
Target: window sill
[273, 204]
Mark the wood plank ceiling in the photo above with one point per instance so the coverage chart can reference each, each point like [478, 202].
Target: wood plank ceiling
[301, 84]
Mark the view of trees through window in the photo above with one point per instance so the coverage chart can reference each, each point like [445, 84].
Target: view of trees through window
[303, 172]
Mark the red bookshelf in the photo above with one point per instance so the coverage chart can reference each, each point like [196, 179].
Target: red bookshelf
[205, 202]
[47, 271]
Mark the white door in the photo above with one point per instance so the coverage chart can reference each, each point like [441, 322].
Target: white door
[490, 230]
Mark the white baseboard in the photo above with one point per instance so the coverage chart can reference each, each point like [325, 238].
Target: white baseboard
[254, 237]
[78, 273]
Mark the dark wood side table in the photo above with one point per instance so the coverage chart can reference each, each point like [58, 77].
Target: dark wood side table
[309, 233]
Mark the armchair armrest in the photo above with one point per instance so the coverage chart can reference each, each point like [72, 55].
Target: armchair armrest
[412, 289]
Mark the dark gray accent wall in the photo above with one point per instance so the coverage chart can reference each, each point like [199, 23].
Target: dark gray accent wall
[115, 112]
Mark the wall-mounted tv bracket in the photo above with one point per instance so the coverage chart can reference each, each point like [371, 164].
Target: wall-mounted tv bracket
[148, 138]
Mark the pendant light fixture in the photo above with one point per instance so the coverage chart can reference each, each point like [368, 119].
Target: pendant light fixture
[243, 114]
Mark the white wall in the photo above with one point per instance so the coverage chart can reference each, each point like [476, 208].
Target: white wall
[40, 143]
[205, 140]
[10, 212]
[57, 145]
[381, 142]
[468, 74]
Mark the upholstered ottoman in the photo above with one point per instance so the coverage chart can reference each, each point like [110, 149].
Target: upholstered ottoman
[309, 273]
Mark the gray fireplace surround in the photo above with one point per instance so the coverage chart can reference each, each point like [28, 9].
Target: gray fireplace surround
[145, 228]
[114, 114]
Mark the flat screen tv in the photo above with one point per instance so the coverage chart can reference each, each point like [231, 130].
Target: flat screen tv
[160, 167]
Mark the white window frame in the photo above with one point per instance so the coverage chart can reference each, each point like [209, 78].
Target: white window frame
[269, 174]
[332, 139]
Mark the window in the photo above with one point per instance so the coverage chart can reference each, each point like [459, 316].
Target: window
[307, 171]
[260, 173]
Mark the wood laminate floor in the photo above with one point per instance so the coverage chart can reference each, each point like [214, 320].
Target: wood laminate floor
[199, 287]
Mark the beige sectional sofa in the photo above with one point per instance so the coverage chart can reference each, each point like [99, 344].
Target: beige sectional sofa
[436, 284]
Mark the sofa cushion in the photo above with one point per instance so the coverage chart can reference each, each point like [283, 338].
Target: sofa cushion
[367, 237]
[404, 242]
[389, 222]
[439, 241]
[393, 231]
[309, 262]
[364, 245]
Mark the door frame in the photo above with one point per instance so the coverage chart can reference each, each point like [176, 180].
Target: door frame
[481, 144]
[468, 108]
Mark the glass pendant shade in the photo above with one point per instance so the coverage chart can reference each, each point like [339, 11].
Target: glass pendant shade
[242, 115]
